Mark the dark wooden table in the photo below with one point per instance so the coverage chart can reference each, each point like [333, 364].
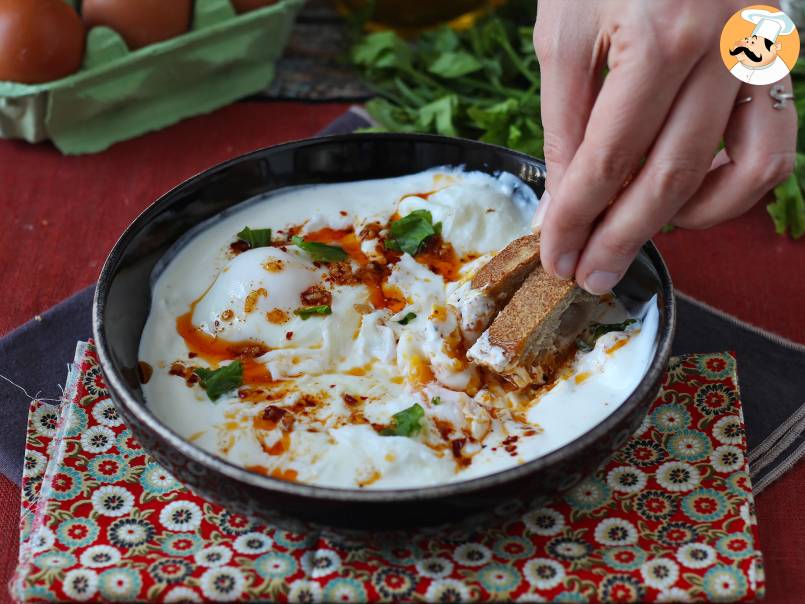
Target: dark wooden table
[61, 215]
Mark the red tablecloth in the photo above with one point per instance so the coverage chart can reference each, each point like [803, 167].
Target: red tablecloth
[55, 207]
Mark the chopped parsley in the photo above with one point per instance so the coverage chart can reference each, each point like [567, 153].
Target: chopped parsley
[220, 381]
[436, 400]
[406, 422]
[407, 318]
[586, 342]
[410, 233]
[306, 312]
[320, 252]
[255, 237]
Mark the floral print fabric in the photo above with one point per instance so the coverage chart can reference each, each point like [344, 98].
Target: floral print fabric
[669, 518]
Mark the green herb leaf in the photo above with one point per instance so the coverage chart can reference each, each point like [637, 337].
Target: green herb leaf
[455, 64]
[220, 381]
[255, 237]
[382, 50]
[667, 228]
[320, 252]
[436, 400]
[406, 423]
[410, 233]
[586, 342]
[407, 318]
[788, 209]
[308, 311]
[439, 115]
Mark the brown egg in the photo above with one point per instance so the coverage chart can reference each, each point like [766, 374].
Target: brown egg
[40, 40]
[244, 6]
[140, 22]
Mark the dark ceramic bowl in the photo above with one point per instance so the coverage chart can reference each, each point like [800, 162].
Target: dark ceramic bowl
[122, 303]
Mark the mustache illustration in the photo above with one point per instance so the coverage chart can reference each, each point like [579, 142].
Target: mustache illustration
[743, 49]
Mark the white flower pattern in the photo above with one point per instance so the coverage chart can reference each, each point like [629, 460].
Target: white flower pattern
[180, 516]
[111, 500]
[615, 531]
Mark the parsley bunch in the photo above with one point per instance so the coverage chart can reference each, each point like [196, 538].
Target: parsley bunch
[481, 83]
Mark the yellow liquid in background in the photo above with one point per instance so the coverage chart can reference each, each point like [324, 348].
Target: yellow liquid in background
[409, 17]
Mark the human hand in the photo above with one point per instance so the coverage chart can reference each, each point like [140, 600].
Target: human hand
[655, 121]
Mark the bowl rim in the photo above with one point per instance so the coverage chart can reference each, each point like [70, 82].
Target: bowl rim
[122, 396]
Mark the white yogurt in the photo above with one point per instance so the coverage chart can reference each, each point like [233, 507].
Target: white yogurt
[344, 375]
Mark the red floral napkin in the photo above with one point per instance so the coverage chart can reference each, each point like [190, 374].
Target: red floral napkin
[669, 519]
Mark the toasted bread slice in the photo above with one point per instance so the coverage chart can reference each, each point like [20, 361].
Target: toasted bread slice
[479, 300]
[531, 336]
[507, 270]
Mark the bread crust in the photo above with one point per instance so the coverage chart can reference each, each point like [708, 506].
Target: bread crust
[507, 270]
[539, 297]
[527, 341]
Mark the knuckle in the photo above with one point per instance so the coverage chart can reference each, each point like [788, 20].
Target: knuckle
[608, 162]
[620, 246]
[678, 178]
[554, 148]
[679, 36]
[571, 218]
[773, 168]
[546, 44]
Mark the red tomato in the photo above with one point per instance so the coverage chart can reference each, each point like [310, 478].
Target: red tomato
[140, 22]
[244, 6]
[40, 40]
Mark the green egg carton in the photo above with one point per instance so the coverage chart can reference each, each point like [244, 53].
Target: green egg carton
[119, 94]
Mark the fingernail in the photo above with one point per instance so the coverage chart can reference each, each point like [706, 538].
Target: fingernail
[601, 282]
[566, 265]
[539, 215]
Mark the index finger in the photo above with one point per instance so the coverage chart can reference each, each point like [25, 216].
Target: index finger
[626, 118]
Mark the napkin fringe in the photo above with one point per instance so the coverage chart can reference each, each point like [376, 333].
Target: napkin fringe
[774, 451]
[37, 510]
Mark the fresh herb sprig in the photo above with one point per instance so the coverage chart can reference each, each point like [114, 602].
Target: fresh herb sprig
[411, 232]
[406, 423]
[255, 237]
[407, 318]
[320, 252]
[218, 382]
[306, 312]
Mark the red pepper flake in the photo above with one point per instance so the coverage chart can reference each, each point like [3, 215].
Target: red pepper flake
[145, 371]
[342, 212]
[349, 399]
[192, 355]
[274, 414]
[177, 369]
[316, 295]
[288, 335]
[239, 246]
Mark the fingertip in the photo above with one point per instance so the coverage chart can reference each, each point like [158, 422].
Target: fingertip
[601, 282]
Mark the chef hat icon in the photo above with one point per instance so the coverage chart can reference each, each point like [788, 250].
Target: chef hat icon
[768, 25]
